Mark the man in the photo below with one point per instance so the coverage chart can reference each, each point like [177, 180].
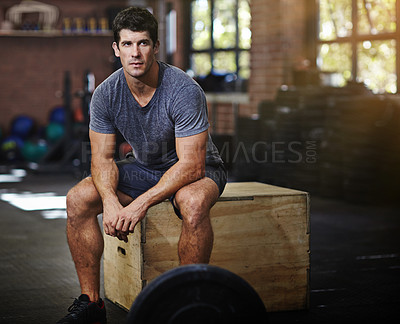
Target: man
[162, 113]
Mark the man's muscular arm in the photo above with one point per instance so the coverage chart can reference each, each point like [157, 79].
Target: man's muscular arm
[105, 177]
[190, 167]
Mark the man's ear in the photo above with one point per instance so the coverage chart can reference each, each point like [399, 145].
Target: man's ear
[156, 47]
[116, 49]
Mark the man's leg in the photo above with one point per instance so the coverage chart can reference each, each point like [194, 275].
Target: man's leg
[84, 236]
[194, 202]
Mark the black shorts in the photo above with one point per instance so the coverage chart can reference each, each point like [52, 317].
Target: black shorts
[135, 178]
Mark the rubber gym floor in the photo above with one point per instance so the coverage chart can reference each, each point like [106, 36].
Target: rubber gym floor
[355, 259]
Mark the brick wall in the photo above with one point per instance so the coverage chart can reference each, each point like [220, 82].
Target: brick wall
[32, 68]
[32, 72]
[278, 32]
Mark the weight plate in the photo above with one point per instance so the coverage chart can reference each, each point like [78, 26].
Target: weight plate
[198, 294]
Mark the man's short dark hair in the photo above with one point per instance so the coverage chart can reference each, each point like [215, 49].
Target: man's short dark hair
[135, 19]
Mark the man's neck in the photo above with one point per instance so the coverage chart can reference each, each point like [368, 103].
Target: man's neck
[143, 88]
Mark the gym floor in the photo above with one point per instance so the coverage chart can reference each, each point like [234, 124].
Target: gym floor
[355, 259]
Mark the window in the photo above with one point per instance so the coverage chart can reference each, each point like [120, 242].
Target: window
[357, 40]
[221, 37]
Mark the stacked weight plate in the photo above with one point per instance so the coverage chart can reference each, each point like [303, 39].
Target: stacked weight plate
[334, 142]
[363, 132]
[246, 153]
[390, 178]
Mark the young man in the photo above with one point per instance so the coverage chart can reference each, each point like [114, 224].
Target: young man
[162, 113]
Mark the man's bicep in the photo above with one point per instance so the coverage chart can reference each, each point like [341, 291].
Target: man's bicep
[102, 145]
[192, 149]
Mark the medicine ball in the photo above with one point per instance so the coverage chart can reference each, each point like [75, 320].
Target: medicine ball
[34, 151]
[11, 148]
[22, 127]
[57, 115]
[54, 132]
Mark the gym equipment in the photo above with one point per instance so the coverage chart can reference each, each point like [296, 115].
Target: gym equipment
[47, 14]
[19, 142]
[78, 115]
[57, 115]
[195, 294]
[28, 151]
[22, 126]
[54, 132]
[68, 142]
[11, 148]
[261, 233]
[124, 149]
[34, 151]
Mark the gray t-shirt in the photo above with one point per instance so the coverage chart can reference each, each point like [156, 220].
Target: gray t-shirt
[178, 108]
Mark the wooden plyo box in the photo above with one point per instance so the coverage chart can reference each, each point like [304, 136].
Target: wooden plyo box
[261, 233]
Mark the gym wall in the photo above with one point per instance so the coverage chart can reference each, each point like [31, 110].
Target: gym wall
[32, 68]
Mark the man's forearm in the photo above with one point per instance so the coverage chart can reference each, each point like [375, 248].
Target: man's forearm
[105, 178]
[179, 175]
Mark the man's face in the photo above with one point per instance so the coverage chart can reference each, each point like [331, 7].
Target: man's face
[136, 51]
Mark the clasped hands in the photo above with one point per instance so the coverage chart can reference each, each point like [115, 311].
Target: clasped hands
[119, 221]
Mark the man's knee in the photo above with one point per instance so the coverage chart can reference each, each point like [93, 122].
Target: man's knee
[83, 199]
[193, 207]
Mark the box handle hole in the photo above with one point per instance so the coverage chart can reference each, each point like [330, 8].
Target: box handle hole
[121, 250]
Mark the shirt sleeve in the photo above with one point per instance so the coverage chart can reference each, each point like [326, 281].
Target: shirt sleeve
[190, 112]
[100, 120]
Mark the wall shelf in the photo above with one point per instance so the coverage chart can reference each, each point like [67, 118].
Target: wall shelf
[52, 33]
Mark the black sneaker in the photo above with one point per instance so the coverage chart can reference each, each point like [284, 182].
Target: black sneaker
[83, 311]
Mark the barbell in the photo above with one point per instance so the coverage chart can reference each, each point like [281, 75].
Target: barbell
[198, 293]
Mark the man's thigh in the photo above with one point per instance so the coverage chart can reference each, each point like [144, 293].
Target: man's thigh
[87, 194]
[135, 179]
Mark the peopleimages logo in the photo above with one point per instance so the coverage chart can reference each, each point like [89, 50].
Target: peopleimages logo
[270, 152]
[257, 152]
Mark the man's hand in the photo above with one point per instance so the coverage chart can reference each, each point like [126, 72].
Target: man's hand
[119, 221]
[130, 216]
[111, 211]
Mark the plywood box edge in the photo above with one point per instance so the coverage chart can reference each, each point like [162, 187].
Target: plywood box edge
[256, 189]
